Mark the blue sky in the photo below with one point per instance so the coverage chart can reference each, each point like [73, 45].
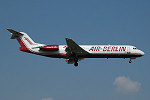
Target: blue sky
[26, 76]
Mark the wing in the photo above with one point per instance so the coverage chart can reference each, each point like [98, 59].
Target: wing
[75, 48]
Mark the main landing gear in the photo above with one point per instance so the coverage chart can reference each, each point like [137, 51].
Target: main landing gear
[75, 62]
[73, 55]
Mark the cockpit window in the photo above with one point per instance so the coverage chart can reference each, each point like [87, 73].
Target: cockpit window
[134, 48]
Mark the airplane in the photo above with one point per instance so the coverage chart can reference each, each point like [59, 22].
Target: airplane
[73, 52]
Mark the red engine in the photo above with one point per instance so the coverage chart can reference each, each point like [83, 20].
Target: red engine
[50, 48]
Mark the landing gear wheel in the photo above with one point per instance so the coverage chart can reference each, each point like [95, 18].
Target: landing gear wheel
[75, 64]
[130, 61]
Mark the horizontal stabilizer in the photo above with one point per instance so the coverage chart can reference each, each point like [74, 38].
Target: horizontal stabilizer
[14, 33]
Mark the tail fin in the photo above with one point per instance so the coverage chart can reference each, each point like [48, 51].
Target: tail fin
[24, 40]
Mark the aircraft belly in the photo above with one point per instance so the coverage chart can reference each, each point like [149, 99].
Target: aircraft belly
[54, 54]
[110, 55]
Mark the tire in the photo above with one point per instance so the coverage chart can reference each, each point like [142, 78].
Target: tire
[75, 64]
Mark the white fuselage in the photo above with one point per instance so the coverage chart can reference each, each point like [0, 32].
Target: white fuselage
[95, 51]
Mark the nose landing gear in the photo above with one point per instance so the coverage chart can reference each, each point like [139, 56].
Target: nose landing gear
[130, 61]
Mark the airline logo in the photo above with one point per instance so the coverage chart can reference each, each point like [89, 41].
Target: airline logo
[108, 48]
[51, 46]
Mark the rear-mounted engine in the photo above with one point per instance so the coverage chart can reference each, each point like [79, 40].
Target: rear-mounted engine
[50, 48]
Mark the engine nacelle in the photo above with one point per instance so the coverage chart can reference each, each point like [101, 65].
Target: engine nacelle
[50, 48]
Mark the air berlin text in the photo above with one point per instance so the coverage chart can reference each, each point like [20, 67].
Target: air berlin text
[108, 48]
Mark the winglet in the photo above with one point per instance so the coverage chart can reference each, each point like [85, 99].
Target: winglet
[14, 33]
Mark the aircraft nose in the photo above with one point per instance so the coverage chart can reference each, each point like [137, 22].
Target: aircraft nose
[142, 53]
